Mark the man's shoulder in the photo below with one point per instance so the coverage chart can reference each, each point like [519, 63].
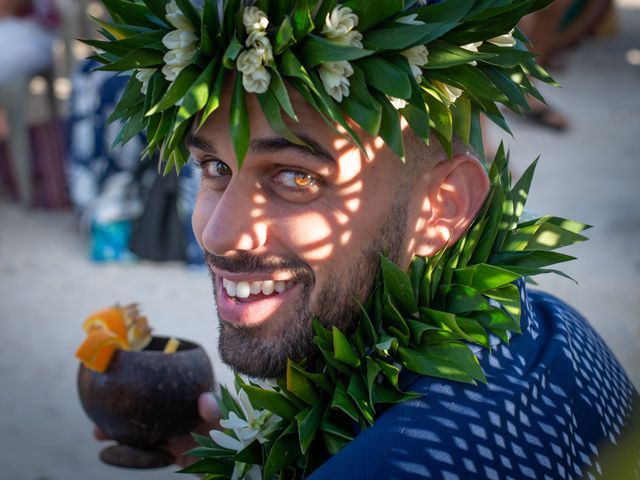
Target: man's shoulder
[555, 397]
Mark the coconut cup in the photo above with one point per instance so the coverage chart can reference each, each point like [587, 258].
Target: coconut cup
[144, 399]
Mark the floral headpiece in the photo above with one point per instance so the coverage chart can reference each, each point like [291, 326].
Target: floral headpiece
[438, 66]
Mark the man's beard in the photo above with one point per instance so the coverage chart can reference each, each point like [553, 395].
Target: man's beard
[247, 351]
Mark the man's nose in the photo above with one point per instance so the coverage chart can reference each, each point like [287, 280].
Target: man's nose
[237, 221]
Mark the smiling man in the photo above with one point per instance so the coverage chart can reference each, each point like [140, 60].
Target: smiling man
[296, 232]
[362, 257]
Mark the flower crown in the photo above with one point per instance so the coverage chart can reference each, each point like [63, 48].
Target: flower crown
[438, 66]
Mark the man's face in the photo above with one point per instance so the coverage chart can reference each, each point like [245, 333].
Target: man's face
[294, 234]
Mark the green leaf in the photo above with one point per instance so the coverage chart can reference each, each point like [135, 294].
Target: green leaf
[196, 97]
[139, 58]
[283, 452]
[300, 385]
[279, 89]
[343, 350]
[211, 466]
[370, 17]
[452, 361]
[302, 21]
[284, 37]
[130, 98]
[483, 277]
[390, 371]
[395, 323]
[390, 129]
[509, 298]
[360, 104]
[252, 453]
[231, 53]
[385, 77]
[384, 394]
[271, 110]
[239, 121]
[439, 116]
[358, 392]
[461, 118]
[397, 37]
[308, 424]
[445, 321]
[270, 400]
[398, 284]
[418, 329]
[127, 12]
[373, 369]
[445, 55]
[342, 401]
[461, 298]
[215, 94]
[529, 259]
[177, 89]
[317, 50]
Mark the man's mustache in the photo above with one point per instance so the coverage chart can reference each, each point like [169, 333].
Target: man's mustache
[243, 262]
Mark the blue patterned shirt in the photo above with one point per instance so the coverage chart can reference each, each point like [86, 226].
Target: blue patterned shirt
[557, 405]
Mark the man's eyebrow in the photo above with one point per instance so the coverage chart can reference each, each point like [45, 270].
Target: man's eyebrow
[274, 144]
[197, 141]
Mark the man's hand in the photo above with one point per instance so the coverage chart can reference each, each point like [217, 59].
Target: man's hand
[210, 414]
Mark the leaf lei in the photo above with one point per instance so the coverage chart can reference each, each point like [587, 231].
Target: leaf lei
[422, 321]
[401, 59]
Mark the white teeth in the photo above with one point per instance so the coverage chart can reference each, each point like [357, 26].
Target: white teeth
[268, 287]
[255, 287]
[231, 288]
[243, 290]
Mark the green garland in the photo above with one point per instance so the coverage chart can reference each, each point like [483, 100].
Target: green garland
[422, 321]
[438, 66]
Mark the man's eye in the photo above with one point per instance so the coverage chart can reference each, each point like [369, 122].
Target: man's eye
[216, 168]
[295, 179]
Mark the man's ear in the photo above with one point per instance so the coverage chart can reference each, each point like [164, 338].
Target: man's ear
[447, 198]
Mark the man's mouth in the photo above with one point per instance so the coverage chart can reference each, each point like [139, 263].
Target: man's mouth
[254, 301]
[252, 290]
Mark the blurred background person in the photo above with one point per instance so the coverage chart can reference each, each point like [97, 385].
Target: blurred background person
[564, 24]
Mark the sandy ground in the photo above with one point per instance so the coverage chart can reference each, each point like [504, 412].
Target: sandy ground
[47, 285]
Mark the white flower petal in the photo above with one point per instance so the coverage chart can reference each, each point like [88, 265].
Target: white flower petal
[176, 18]
[233, 422]
[254, 20]
[339, 22]
[505, 40]
[410, 20]
[226, 441]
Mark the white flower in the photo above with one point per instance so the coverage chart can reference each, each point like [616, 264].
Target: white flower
[254, 20]
[452, 93]
[249, 61]
[505, 40]
[339, 22]
[182, 43]
[335, 78]
[257, 81]
[260, 42]
[144, 75]
[176, 17]
[398, 103]
[472, 47]
[175, 61]
[179, 39]
[410, 20]
[418, 57]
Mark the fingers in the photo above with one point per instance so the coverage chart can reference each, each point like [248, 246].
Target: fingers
[99, 434]
[208, 409]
